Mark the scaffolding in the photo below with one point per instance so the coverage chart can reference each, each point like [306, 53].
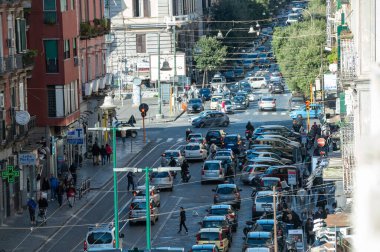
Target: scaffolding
[348, 154]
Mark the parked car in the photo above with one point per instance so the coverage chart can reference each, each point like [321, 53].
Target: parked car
[205, 93]
[257, 239]
[204, 248]
[215, 119]
[277, 130]
[263, 203]
[267, 103]
[228, 194]
[195, 151]
[137, 211]
[153, 192]
[315, 111]
[260, 154]
[268, 148]
[238, 102]
[293, 18]
[225, 210]
[215, 136]
[213, 236]
[251, 172]
[281, 172]
[263, 161]
[267, 183]
[218, 221]
[296, 102]
[286, 140]
[162, 180]
[215, 100]
[195, 106]
[212, 170]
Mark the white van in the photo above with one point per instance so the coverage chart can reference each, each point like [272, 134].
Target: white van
[257, 82]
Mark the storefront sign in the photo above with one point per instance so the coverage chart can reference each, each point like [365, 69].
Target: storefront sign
[292, 177]
[27, 159]
[10, 174]
[75, 136]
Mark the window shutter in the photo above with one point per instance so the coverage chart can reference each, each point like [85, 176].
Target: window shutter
[23, 34]
[18, 39]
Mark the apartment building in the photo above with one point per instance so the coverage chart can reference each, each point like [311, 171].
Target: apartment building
[142, 28]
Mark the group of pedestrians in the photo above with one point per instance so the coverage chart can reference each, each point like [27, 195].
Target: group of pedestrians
[101, 154]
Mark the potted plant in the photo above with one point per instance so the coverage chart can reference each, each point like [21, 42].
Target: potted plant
[29, 56]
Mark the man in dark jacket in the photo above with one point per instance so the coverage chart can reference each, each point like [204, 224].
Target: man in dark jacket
[95, 153]
[182, 219]
[130, 180]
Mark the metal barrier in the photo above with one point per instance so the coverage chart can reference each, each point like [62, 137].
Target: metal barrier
[84, 188]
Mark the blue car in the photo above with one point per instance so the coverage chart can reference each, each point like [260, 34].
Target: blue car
[205, 93]
[233, 142]
[315, 111]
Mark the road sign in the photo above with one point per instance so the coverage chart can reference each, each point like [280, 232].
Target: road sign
[321, 142]
[75, 136]
[10, 174]
[28, 158]
[143, 107]
[292, 177]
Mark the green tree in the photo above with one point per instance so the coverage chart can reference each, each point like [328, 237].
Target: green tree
[211, 55]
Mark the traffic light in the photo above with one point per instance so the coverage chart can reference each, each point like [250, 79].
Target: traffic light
[307, 105]
[143, 112]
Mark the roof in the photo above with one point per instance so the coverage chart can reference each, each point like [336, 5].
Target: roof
[221, 206]
[214, 218]
[142, 187]
[172, 151]
[202, 230]
[259, 234]
[339, 220]
[226, 185]
[262, 249]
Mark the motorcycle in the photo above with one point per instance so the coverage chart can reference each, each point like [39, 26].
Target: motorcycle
[248, 134]
[186, 176]
[248, 227]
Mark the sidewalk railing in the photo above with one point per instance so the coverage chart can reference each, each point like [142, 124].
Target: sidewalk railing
[84, 188]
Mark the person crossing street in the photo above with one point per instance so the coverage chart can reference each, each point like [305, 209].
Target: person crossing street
[182, 219]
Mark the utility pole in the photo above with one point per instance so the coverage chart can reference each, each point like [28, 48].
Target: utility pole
[158, 75]
[275, 220]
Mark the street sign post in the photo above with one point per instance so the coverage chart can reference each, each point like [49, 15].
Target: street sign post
[292, 177]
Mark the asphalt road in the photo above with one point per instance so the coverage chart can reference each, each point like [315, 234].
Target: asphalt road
[192, 196]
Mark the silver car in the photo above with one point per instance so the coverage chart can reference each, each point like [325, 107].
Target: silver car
[212, 170]
[162, 180]
[250, 172]
[267, 103]
[137, 211]
[154, 193]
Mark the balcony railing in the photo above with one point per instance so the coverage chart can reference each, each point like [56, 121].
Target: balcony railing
[348, 59]
[11, 63]
[50, 17]
[52, 66]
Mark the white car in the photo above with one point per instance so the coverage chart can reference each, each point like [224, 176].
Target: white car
[293, 18]
[251, 97]
[257, 82]
[263, 203]
[214, 104]
[224, 154]
[162, 180]
[153, 192]
[100, 237]
[212, 170]
[195, 151]
[176, 154]
[275, 77]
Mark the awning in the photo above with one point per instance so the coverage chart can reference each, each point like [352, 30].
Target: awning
[95, 86]
[102, 82]
[87, 88]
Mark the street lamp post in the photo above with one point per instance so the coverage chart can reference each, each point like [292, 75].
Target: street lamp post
[147, 170]
[108, 105]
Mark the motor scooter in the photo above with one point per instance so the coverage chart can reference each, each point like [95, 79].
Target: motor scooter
[248, 134]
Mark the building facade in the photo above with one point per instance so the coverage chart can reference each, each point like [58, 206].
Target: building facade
[16, 63]
[141, 28]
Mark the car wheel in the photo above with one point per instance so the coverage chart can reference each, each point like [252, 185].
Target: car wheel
[225, 124]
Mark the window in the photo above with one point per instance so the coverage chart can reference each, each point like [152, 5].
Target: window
[75, 50]
[64, 6]
[146, 8]
[141, 43]
[136, 8]
[50, 12]
[20, 35]
[51, 55]
[66, 49]
[72, 4]
[175, 7]
[62, 99]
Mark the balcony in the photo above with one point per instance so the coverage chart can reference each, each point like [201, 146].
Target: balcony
[98, 27]
[52, 66]
[11, 63]
[348, 59]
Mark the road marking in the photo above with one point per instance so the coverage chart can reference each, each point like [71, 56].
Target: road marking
[169, 140]
[167, 218]
[256, 113]
[274, 113]
[283, 113]
[158, 139]
[285, 94]
[265, 113]
[180, 139]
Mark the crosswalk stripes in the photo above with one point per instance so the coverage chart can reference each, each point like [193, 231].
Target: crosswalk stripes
[180, 139]
[158, 139]
[169, 140]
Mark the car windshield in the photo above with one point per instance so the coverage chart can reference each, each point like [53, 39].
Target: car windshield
[213, 134]
[264, 198]
[212, 224]
[267, 99]
[209, 236]
[205, 91]
[138, 205]
[238, 99]
[226, 190]
[260, 168]
[251, 155]
[171, 154]
[202, 250]
[257, 241]
[267, 227]
[215, 99]
[223, 153]
[270, 182]
[219, 211]
[192, 147]
[99, 238]
[245, 85]
[160, 174]
[297, 100]
[195, 101]
[211, 166]
[230, 139]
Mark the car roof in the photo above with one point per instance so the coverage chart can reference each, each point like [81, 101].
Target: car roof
[264, 193]
[215, 218]
[265, 221]
[271, 126]
[138, 199]
[221, 206]
[172, 151]
[262, 249]
[193, 144]
[212, 162]
[226, 185]
[283, 166]
[101, 227]
[270, 178]
[204, 246]
[142, 187]
[217, 230]
[233, 135]
[258, 159]
[259, 234]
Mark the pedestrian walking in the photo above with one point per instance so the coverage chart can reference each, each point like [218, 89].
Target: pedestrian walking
[71, 195]
[123, 134]
[42, 206]
[60, 192]
[95, 153]
[310, 235]
[130, 181]
[32, 205]
[73, 171]
[103, 154]
[109, 152]
[182, 219]
[53, 186]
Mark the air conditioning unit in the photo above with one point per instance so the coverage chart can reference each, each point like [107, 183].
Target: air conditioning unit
[10, 43]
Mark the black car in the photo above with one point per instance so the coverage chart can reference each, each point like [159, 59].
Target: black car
[245, 86]
[195, 106]
[205, 93]
[216, 137]
[277, 88]
[239, 102]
